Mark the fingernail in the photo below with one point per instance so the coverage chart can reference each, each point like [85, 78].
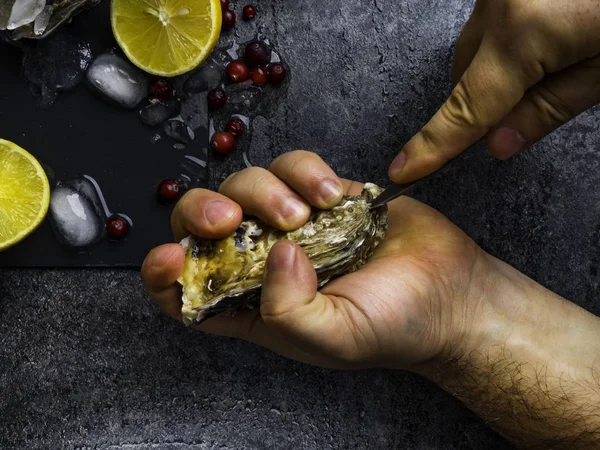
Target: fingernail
[219, 212]
[397, 165]
[293, 208]
[282, 258]
[506, 142]
[330, 191]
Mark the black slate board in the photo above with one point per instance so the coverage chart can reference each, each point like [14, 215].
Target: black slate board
[80, 134]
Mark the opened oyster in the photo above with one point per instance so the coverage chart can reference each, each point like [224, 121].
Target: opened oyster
[224, 276]
[38, 18]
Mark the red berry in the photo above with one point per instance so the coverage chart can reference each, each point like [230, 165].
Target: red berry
[277, 73]
[257, 54]
[235, 127]
[216, 98]
[225, 5]
[229, 20]
[168, 191]
[249, 12]
[238, 71]
[160, 89]
[259, 76]
[117, 227]
[223, 143]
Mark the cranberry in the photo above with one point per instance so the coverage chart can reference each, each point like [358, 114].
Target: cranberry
[225, 5]
[229, 20]
[168, 191]
[257, 54]
[235, 127]
[160, 89]
[223, 143]
[238, 71]
[249, 12]
[117, 228]
[217, 98]
[259, 76]
[277, 73]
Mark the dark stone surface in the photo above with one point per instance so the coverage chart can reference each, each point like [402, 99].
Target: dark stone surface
[87, 361]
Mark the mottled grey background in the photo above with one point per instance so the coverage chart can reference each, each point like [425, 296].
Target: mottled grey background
[87, 361]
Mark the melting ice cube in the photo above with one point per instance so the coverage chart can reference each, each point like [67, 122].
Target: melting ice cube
[159, 112]
[76, 214]
[207, 77]
[179, 131]
[24, 12]
[117, 81]
[195, 111]
[243, 96]
[42, 20]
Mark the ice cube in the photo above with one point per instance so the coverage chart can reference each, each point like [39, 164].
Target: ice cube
[195, 111]
[24, 12]
[207, 77]
[42, 20]
[220, 59]
[194, 170]
[117, 81]
[159, 112]
[179, 131]
[243, 96]
[275, 58]
[77, 221]
[55, 64]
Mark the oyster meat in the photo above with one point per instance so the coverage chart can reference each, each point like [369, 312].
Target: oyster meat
[38, 18]
[224, 276]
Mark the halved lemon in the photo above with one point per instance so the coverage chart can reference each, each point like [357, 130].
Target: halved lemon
[166, 37]
[24, 194]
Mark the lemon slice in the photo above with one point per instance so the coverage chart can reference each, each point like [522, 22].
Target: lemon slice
[24, 194]
[166, 37]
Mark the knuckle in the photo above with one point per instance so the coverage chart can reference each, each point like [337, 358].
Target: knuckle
[287, 161]
[551, 107]
[458, 110]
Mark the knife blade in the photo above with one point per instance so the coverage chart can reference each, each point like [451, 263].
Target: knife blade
[390, 194]
[397, 190]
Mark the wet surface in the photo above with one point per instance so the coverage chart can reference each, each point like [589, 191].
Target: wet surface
[87, 361]
[87, 123]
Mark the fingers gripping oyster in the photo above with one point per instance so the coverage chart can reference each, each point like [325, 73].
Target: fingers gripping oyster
[226, 275]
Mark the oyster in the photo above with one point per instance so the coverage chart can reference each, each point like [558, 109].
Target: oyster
[38, 18]
[226, 275]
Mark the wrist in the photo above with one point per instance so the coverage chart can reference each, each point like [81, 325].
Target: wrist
[528, 361]
[515, 321]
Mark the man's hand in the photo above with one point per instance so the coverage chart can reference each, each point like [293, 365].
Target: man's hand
[429, 300]
[523, 68]
[408, 305]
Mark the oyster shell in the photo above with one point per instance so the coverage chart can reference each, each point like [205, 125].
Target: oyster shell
[38, 18]
[226, 275]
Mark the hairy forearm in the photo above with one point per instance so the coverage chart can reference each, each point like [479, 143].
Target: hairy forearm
[532, 367]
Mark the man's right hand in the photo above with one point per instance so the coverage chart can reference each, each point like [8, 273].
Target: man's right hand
[523, 68]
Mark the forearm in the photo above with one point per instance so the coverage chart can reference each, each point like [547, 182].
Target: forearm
[531, 368]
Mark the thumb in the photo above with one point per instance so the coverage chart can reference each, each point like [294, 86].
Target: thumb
[490, 88]
[548, 105]
[290, 301]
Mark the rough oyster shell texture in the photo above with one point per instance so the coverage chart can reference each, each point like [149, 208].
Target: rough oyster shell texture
[38, 18]
[226, 275]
